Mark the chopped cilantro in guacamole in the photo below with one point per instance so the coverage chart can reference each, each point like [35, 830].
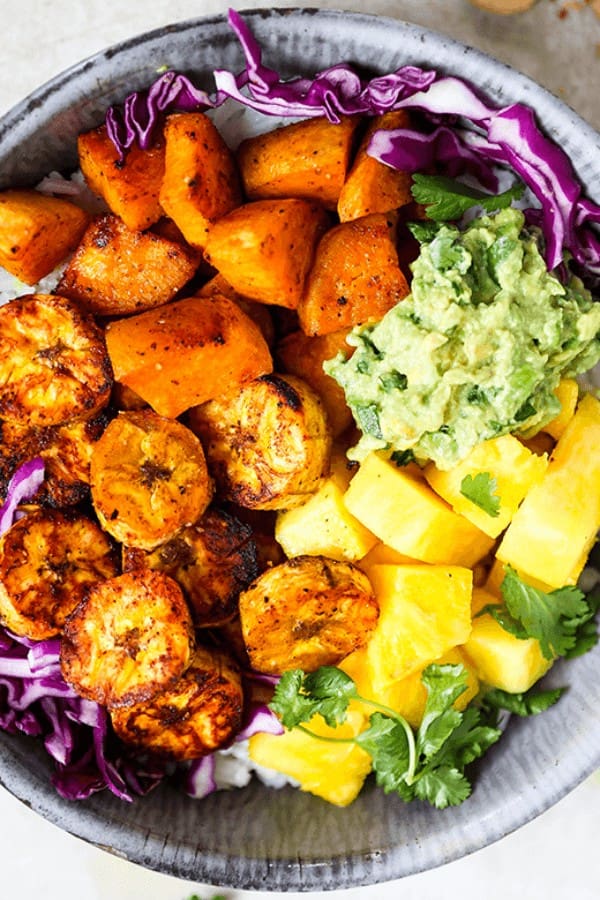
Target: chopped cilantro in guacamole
[476, 350]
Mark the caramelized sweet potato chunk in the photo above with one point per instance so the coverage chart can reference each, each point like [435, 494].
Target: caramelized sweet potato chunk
[355, 278]
[258, 312]
[187, 352]
[371, 186]
[129, 186]
[37, 232]
[307, 159]
[201, 181]
[116, 271]
[264, 249]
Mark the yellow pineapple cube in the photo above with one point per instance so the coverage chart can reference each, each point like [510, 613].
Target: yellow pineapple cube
[500, 659]
[514, 468]
[555, 527]
[403, 511]
[408, 695]
[381, 554]
[424, 611]
[323, 526]
[335, 772]
[568, 394]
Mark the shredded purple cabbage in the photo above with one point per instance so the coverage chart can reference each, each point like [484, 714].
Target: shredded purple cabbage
[136, 122]
[37, 701]
[507, 137]
[23, 485]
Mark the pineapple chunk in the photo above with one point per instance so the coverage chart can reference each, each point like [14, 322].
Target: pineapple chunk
[323, 526]
[400, 508]
[424, 611]
[500, 659]
[514, 468]
[335, 772]
[568, 394]
[381, 554]
[409, 695]
[555, 527]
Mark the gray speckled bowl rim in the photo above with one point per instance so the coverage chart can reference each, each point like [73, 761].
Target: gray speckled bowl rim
[243, 839]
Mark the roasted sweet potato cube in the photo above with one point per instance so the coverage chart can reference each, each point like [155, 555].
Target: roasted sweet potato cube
[258, 312]
[308, 159]
[355, 277]
[201, 181]
[37, 232]
[116, 271]
[264, 249]
[371, 186]
[129, 186]
[304, 356]
[187, 352]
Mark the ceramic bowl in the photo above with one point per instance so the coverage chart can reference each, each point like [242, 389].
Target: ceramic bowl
[259, 838]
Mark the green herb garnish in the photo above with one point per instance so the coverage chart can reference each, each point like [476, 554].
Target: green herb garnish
[528, 703]
[561, 620]
[447, 199]
[402, 458]
[427, 764]
[481, 490]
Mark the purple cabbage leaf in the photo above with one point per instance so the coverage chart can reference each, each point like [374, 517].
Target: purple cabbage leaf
[508, 137]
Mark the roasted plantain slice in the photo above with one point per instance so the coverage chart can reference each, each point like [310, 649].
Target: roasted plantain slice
[128, 640]
[199, 714]
[148, 478]
[212, 561]
[267, 445]
[48, 560]
[53, 362]
[67, 453]
[307, 612]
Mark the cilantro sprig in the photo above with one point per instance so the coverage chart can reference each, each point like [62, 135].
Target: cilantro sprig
[447, 199]
[528, 703]
[429, 763]
[480, 489]
[561, 620]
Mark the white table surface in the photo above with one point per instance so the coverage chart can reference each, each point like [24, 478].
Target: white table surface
[553, 858]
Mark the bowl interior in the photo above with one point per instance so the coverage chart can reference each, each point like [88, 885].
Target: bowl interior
[258, 838]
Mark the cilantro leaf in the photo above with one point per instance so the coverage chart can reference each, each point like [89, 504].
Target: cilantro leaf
[586, 631]
[529, 703]
[298, 697]
[402, 458]
[423, 232]
[553, 618]
[385, 740]
[444, 685]
[481, 490]
[428, 765]
[289, 703]
[442, 787]
[447, 199]
[332, 690]
[469, 740]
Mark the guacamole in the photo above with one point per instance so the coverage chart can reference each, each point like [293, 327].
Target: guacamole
[475, 351]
